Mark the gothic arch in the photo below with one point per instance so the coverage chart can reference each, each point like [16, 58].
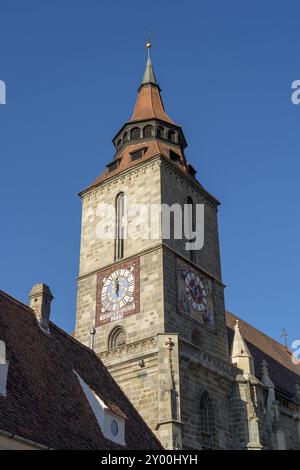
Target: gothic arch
[207, 421]
[120, 210]
[172, 136]
[117, 337]
[135, 133]
[148, 131]
[196, 337]
[192, 223]
[160, 132]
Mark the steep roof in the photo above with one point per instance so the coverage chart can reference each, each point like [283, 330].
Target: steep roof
[283, 372]
[149, 104]
[45, 402]
[153, 148]
[148, 107]
[149, 75]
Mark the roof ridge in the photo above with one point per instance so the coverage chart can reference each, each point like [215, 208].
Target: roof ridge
[261, 332]
[15, 301]
[53, 325]
[71, 338]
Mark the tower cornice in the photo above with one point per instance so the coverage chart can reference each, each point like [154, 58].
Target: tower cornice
[159, 158]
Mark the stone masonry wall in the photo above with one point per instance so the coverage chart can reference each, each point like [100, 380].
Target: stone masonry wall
[139, 186]
[158, 368]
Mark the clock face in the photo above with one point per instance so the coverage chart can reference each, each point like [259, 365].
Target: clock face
[195, 291]
[195, 294]
[117, 290]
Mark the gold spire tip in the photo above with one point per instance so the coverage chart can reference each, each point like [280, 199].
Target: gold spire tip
[148, 44]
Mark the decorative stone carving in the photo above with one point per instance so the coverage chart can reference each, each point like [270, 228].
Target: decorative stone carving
[196, 355]
[128, 350]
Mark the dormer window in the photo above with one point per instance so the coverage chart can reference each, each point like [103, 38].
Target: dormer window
[111, 424]
[174, 156]
[138, 154]
[113, 165]
[114, 427]
[192, 171]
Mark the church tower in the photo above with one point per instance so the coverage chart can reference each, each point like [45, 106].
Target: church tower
[152, 309]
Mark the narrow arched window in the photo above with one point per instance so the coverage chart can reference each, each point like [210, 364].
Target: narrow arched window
[196, 337]
[117, 337]
[148, 131]
[135, 133]
[160, 132]
[207, 426]
[125, 138]
[120, 223]
[172, 136]
[192, 224]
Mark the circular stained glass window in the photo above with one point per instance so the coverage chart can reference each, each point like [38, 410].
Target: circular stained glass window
[114, 427]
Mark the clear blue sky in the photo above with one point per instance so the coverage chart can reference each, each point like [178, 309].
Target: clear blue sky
[72, 69]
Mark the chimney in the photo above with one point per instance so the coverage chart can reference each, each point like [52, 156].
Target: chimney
[40, 298]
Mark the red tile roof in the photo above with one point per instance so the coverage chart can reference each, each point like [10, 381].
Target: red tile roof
[282, 371]
[149, 105]
[152, 148]
[45, 402]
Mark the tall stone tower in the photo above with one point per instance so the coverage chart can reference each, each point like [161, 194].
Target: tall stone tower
[156, 309]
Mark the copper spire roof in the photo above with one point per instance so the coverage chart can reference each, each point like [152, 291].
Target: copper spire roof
[149, 75]
[149, 104]
[139, 140]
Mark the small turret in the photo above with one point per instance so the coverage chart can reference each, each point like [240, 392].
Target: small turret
[240, 354]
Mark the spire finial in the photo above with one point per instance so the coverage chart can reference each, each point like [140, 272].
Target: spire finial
[148, 43]
[149, 76]
[264, 367]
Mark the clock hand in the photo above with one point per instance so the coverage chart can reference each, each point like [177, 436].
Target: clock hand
[117, 286]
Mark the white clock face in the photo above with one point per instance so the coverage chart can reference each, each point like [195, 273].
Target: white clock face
[117, 290]
[195, 291]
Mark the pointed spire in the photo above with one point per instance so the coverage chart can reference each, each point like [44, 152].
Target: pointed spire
[268, 383]
[266, 379]
[149, 104]
[297, 394]
[149, 75]
[240, 354]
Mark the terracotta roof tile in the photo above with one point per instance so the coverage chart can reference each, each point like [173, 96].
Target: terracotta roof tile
[149, 105]
[153, 148]
[45, 402]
